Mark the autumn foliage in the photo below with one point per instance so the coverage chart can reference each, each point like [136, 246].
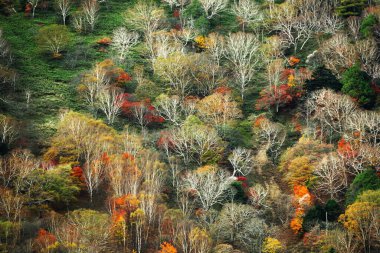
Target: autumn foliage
[274, 97]
[302, 200]
[167, 248]
[345, 149]
[44, 239]
[294, 60]
[77, 173]
[106, 41]
[143, 108]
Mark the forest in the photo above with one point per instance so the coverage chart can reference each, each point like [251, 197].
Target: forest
[189, 126]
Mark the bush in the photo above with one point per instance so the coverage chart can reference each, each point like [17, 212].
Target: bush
[367, 25]
[53, 39]
[55, 186]
[357, 84]
[367, 180]
[237, 136]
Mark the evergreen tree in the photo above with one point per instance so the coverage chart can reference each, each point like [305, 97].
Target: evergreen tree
[357, 84]
[351, 7]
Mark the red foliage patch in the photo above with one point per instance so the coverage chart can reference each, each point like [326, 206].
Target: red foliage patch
[345, 149]
[44, 239]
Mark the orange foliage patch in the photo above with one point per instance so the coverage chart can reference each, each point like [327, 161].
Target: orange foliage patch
[294, 60]
[296, 224]
[123, 78]
[303, 200]
[259, 120]
[167, 248]
[104, 41]
[223, 90]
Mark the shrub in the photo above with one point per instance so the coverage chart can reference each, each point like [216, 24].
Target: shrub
[357, 84]
[55, 185]
[367, 180]
[367, 25]
[53, 39]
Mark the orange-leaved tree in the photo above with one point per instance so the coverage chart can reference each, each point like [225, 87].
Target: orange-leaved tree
[167, 248]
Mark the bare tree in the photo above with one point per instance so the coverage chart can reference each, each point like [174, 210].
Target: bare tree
[122, 41]
[92, 230]
[273, 48]
[208, 74]
[247, 11]
[216, 47]
[241, 160]
[8, 129]
[180, 141]
[64, 6]
[298, 22]
[177, 71]
[242, 50]
[131, 142]
[238, 223]
[139, 112]
[273, 135]
[204, 139]
[188, 31]
[124, 175]
[321, 13]
[176, 3]
[366, 124]
[5, 50]
[369, 55]
[200, 240]
[90, 13]
[213, 7]
[353, 24]
[93, 83]
[343, 240]
[170, 108]
[273, 75]
[285, 16]
[154, 173]
[11, 204]
[78, 22]
[258, 194]
[110, 100]
[332, 110]
[218, 108]
[331, 176]
[34, 4]
[91, 140]
[338, 53]
[145, 16]
[209, 187]
[16, 167]
[165, 43]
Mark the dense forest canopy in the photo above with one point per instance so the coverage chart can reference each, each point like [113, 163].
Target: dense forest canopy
[190, 126]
